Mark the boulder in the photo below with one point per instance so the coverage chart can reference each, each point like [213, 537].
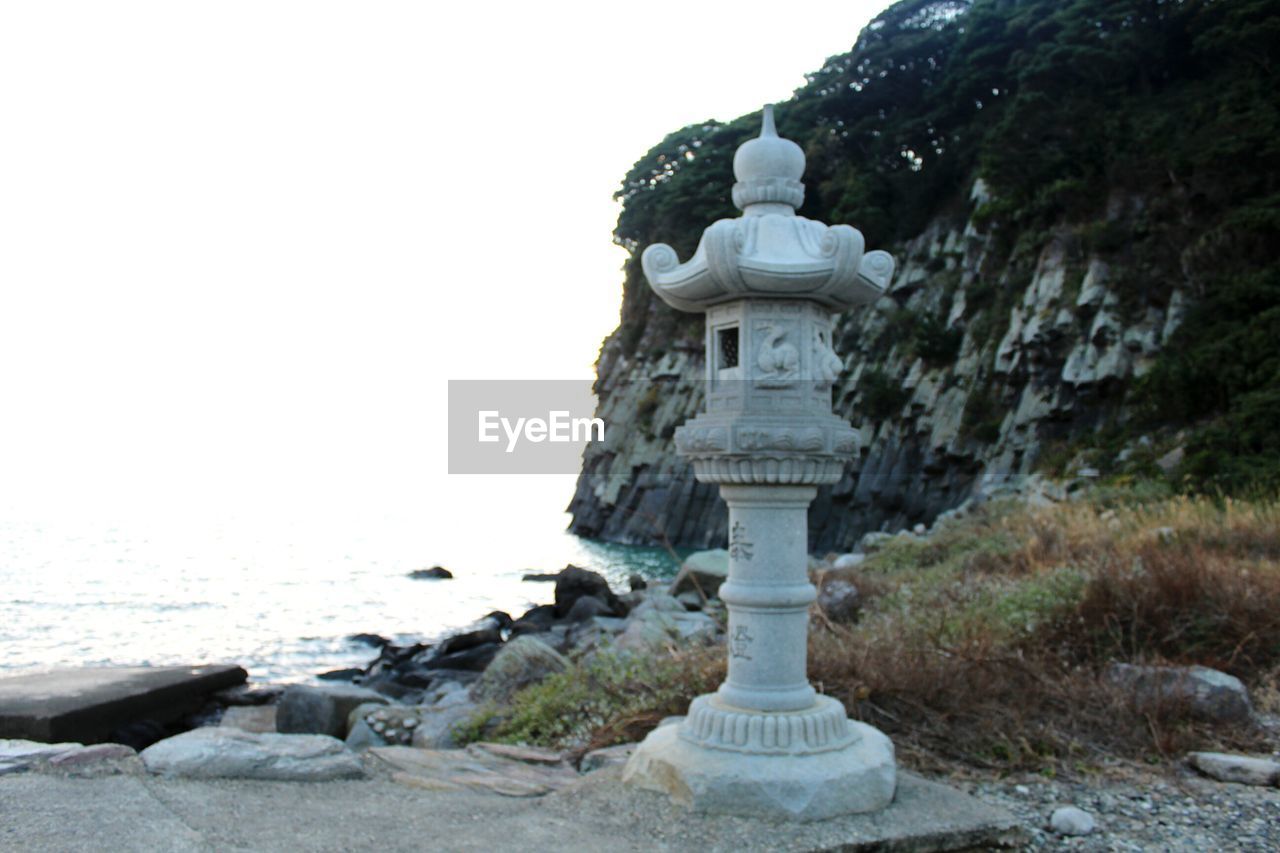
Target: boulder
[523, 661]
[437, 724]
[609, 756]
[658, 600]
[323, 710]
[573, 583]
[214, 753]
[433, 573]
[702, 572]
[101, 759]
[250, 718]
[469, 640]
[1206, 693]
[540, 577]
[1241, 769]
[690, 599]
[1070, 820]
[874, 541]
[359, 713]
[839, 598]
[588, 607]
[243, 694]
[362, 737]
[637, 582]
[348, 674]
[393, 724]
[375, 641]
[536, 619]
[474, 659]
[653, 627]
[844, 562]
[499, 619]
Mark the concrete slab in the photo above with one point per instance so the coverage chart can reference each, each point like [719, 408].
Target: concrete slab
[86, 705]
[39, 813]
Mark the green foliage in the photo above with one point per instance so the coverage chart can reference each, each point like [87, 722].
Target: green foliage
[1149, 129]
[882, 396]
[983, 415]
[934, 342]
[568, 708]
[647, 406]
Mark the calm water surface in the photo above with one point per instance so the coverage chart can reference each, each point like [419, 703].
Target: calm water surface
[276, 595]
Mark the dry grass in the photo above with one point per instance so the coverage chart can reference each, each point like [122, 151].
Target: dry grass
[988, 648]
[982, 646]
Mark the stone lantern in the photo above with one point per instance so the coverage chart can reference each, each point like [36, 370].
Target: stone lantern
[766, 743]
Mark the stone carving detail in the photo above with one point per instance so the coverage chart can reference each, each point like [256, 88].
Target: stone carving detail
[822, 728]
[740, 547]
[876, 269]
[795, 470]
[826, 364]
[777, 360]
[780, 439]
[702, 440]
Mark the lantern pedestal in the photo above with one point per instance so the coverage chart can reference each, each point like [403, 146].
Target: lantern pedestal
[855, 778]
[766, 744]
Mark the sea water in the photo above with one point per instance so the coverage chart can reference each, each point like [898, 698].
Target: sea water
[279, 593]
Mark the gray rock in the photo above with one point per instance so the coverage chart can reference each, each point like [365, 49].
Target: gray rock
[362, 737]
[1171, 460]
[306, 709]
[609, 756]
[360, 713]
[690, 599]
[1070, 820]
[657, 600]
[19, 750]
[574, 582]
[1241, 769]
[250, 718]
[839, 599]
[845, 562]
[653, 627]
[521, 662]
[212, 753]
[588, 607]
[1206, 693]
[95, 754]
[436, 725]
[703, 571]
[433, 573]
[874, 541]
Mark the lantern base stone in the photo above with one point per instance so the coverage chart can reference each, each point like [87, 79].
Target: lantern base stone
[857, 778]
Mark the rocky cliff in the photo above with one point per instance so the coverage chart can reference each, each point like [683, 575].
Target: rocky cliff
[1050, 310]
[946, 408]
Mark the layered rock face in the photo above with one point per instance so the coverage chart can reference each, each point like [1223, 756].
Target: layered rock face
[986, 353]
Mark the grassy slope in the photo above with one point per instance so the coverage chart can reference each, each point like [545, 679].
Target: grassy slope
[982, 645]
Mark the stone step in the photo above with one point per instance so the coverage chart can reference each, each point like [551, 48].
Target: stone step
[86, 705]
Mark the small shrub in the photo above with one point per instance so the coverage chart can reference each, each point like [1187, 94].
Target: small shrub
[882, 395]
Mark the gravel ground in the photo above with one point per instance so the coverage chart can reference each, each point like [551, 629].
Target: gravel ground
[1181, 811]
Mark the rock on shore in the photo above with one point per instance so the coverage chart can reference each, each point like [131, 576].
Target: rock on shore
[212, 753]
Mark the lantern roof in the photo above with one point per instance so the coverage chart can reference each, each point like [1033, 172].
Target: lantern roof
[769, 252]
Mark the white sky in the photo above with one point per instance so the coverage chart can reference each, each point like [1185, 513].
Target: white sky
[244, 244]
